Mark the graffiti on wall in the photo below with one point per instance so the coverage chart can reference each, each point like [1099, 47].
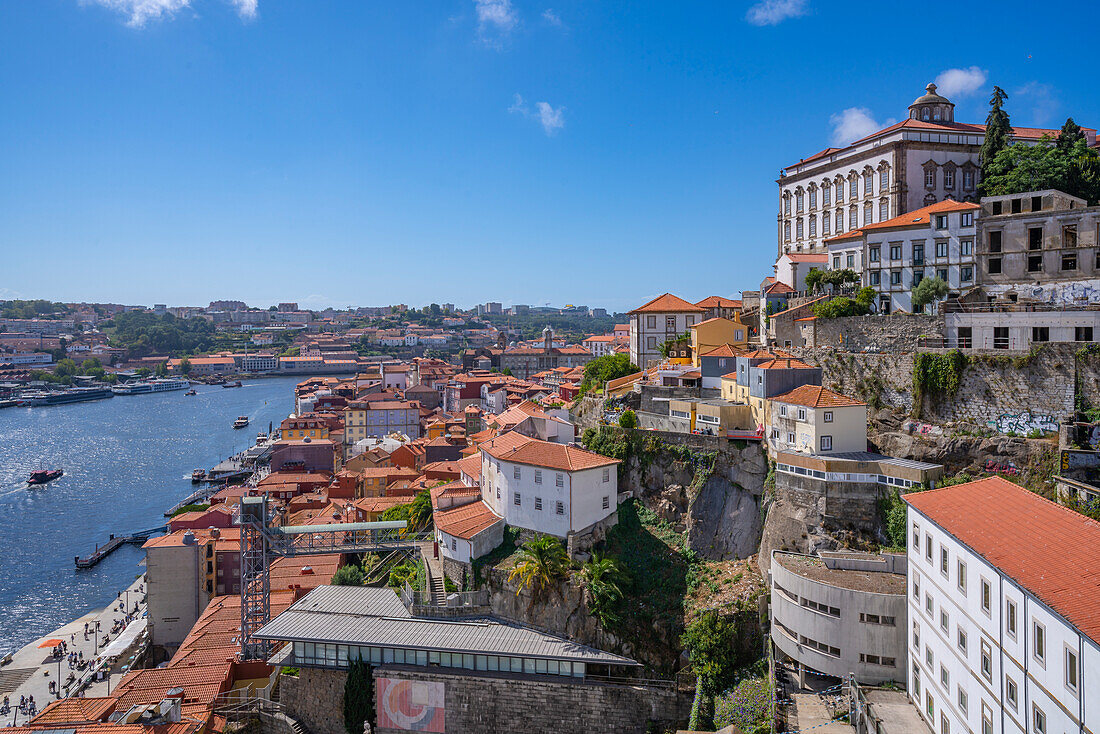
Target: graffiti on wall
[995, 467]
[1073, 293]
[1023, 423]
[410, 705]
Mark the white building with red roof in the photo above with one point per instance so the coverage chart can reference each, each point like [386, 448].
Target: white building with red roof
[924, 159]
[894, 256]
[662, 319]
[550, 488]
[811, 419]
[1004, 611]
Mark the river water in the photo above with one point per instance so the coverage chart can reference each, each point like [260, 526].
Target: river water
[126, 461]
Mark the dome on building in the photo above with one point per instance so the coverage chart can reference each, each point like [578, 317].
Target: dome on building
[932, 107]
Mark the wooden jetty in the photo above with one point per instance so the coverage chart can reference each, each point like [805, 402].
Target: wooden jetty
[114, 543]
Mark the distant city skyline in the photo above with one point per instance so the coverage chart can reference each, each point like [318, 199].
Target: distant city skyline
[333, 154]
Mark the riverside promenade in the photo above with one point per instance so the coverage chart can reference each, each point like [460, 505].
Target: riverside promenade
[32, 668]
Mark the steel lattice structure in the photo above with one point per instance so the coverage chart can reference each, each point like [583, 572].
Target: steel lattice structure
[261, 541]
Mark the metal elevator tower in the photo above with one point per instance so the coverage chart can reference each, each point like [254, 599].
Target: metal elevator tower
[261, 541]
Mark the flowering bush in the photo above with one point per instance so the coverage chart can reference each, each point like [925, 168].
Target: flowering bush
[747, 706]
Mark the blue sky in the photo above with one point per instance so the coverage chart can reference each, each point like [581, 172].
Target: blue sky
[360, 152]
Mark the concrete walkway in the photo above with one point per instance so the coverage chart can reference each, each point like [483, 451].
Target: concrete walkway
[32, 669]
[810, 712]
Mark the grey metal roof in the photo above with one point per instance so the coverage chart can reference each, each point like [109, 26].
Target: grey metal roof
[356, 615]
[868, 456]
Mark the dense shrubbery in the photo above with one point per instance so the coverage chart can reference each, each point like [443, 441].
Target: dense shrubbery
[417, 513]
[36, 309]
[601, 369]
[142, 333]
[746, 706]
[844, 306]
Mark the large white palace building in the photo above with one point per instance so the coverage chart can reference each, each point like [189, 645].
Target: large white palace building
[926, 158]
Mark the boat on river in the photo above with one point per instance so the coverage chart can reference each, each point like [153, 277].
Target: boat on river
[41, 476]
[235, 383]
[241, 422]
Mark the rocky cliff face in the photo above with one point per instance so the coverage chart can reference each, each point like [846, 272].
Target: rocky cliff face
[716, 501]
[562, 611]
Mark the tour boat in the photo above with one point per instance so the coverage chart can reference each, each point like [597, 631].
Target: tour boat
[191, 392]
[41, 476]
[241, 421]
[235, 383]
[198, 475]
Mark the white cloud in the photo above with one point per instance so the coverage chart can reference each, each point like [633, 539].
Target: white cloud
[140, 12]
[495, 17]
[246, 8]
[854, 123]
[551, 118]
[960, 82]
[1041, 98]
[551, 17]
[774, 12]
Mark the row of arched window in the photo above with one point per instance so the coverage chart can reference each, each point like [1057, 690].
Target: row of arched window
[830, 224]
[837, 189]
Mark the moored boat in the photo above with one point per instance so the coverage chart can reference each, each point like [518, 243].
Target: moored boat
[199, 475]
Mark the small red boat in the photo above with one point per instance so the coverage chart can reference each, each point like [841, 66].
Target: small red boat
[41, 476]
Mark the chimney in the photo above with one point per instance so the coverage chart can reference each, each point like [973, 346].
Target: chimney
[171, 707]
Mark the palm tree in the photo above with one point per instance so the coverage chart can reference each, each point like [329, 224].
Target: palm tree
[603, 578]
[542, 560]
[420, 511]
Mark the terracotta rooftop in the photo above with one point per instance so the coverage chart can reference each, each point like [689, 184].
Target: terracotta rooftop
[920, 216]
[815, 396]
[668, 303]
[723, 351]
[785, 363]
[797, 257]
[1050, 550]
[718, 302]
[523, 450]
[466, 521]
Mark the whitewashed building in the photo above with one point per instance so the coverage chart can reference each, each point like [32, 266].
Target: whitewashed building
[547, 487]
[1004, 611]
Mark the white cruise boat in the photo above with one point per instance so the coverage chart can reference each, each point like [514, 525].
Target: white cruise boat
[165, 384]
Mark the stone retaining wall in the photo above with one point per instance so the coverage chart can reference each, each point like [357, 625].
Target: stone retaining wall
[893, 333]
[477, 702]
[316, 699]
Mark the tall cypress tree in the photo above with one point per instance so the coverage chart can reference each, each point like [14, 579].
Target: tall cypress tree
[1069, 135]
[997, 132]
[358, 696]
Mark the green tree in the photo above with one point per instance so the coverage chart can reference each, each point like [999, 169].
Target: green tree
[507, 371]
[143, 372]
[602, 578]
[185, 366]
[929, 290]
[90, 364]
[161, 369]
[66, 368]
[840, 306]
[814, 279]
[542, 561]
[358, 696]
[709, 641]
[628, 419]
[601, 369]
[997, 132]
[349, 575]
[1070, 135]
[417, 513]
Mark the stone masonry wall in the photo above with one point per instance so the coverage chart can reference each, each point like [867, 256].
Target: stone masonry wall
[893, 333]
[476, 702]
[316, 699]
[1008, 392]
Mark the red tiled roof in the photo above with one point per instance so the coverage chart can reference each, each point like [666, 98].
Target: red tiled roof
[471, 465]
[815, 396]
[778, 287]
[785, 363]
[796, 257]
[523, 450]
[718, 302]
[723, 351]
[916, 217]
[668, 303]
[1050, 550]
[466, 521]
